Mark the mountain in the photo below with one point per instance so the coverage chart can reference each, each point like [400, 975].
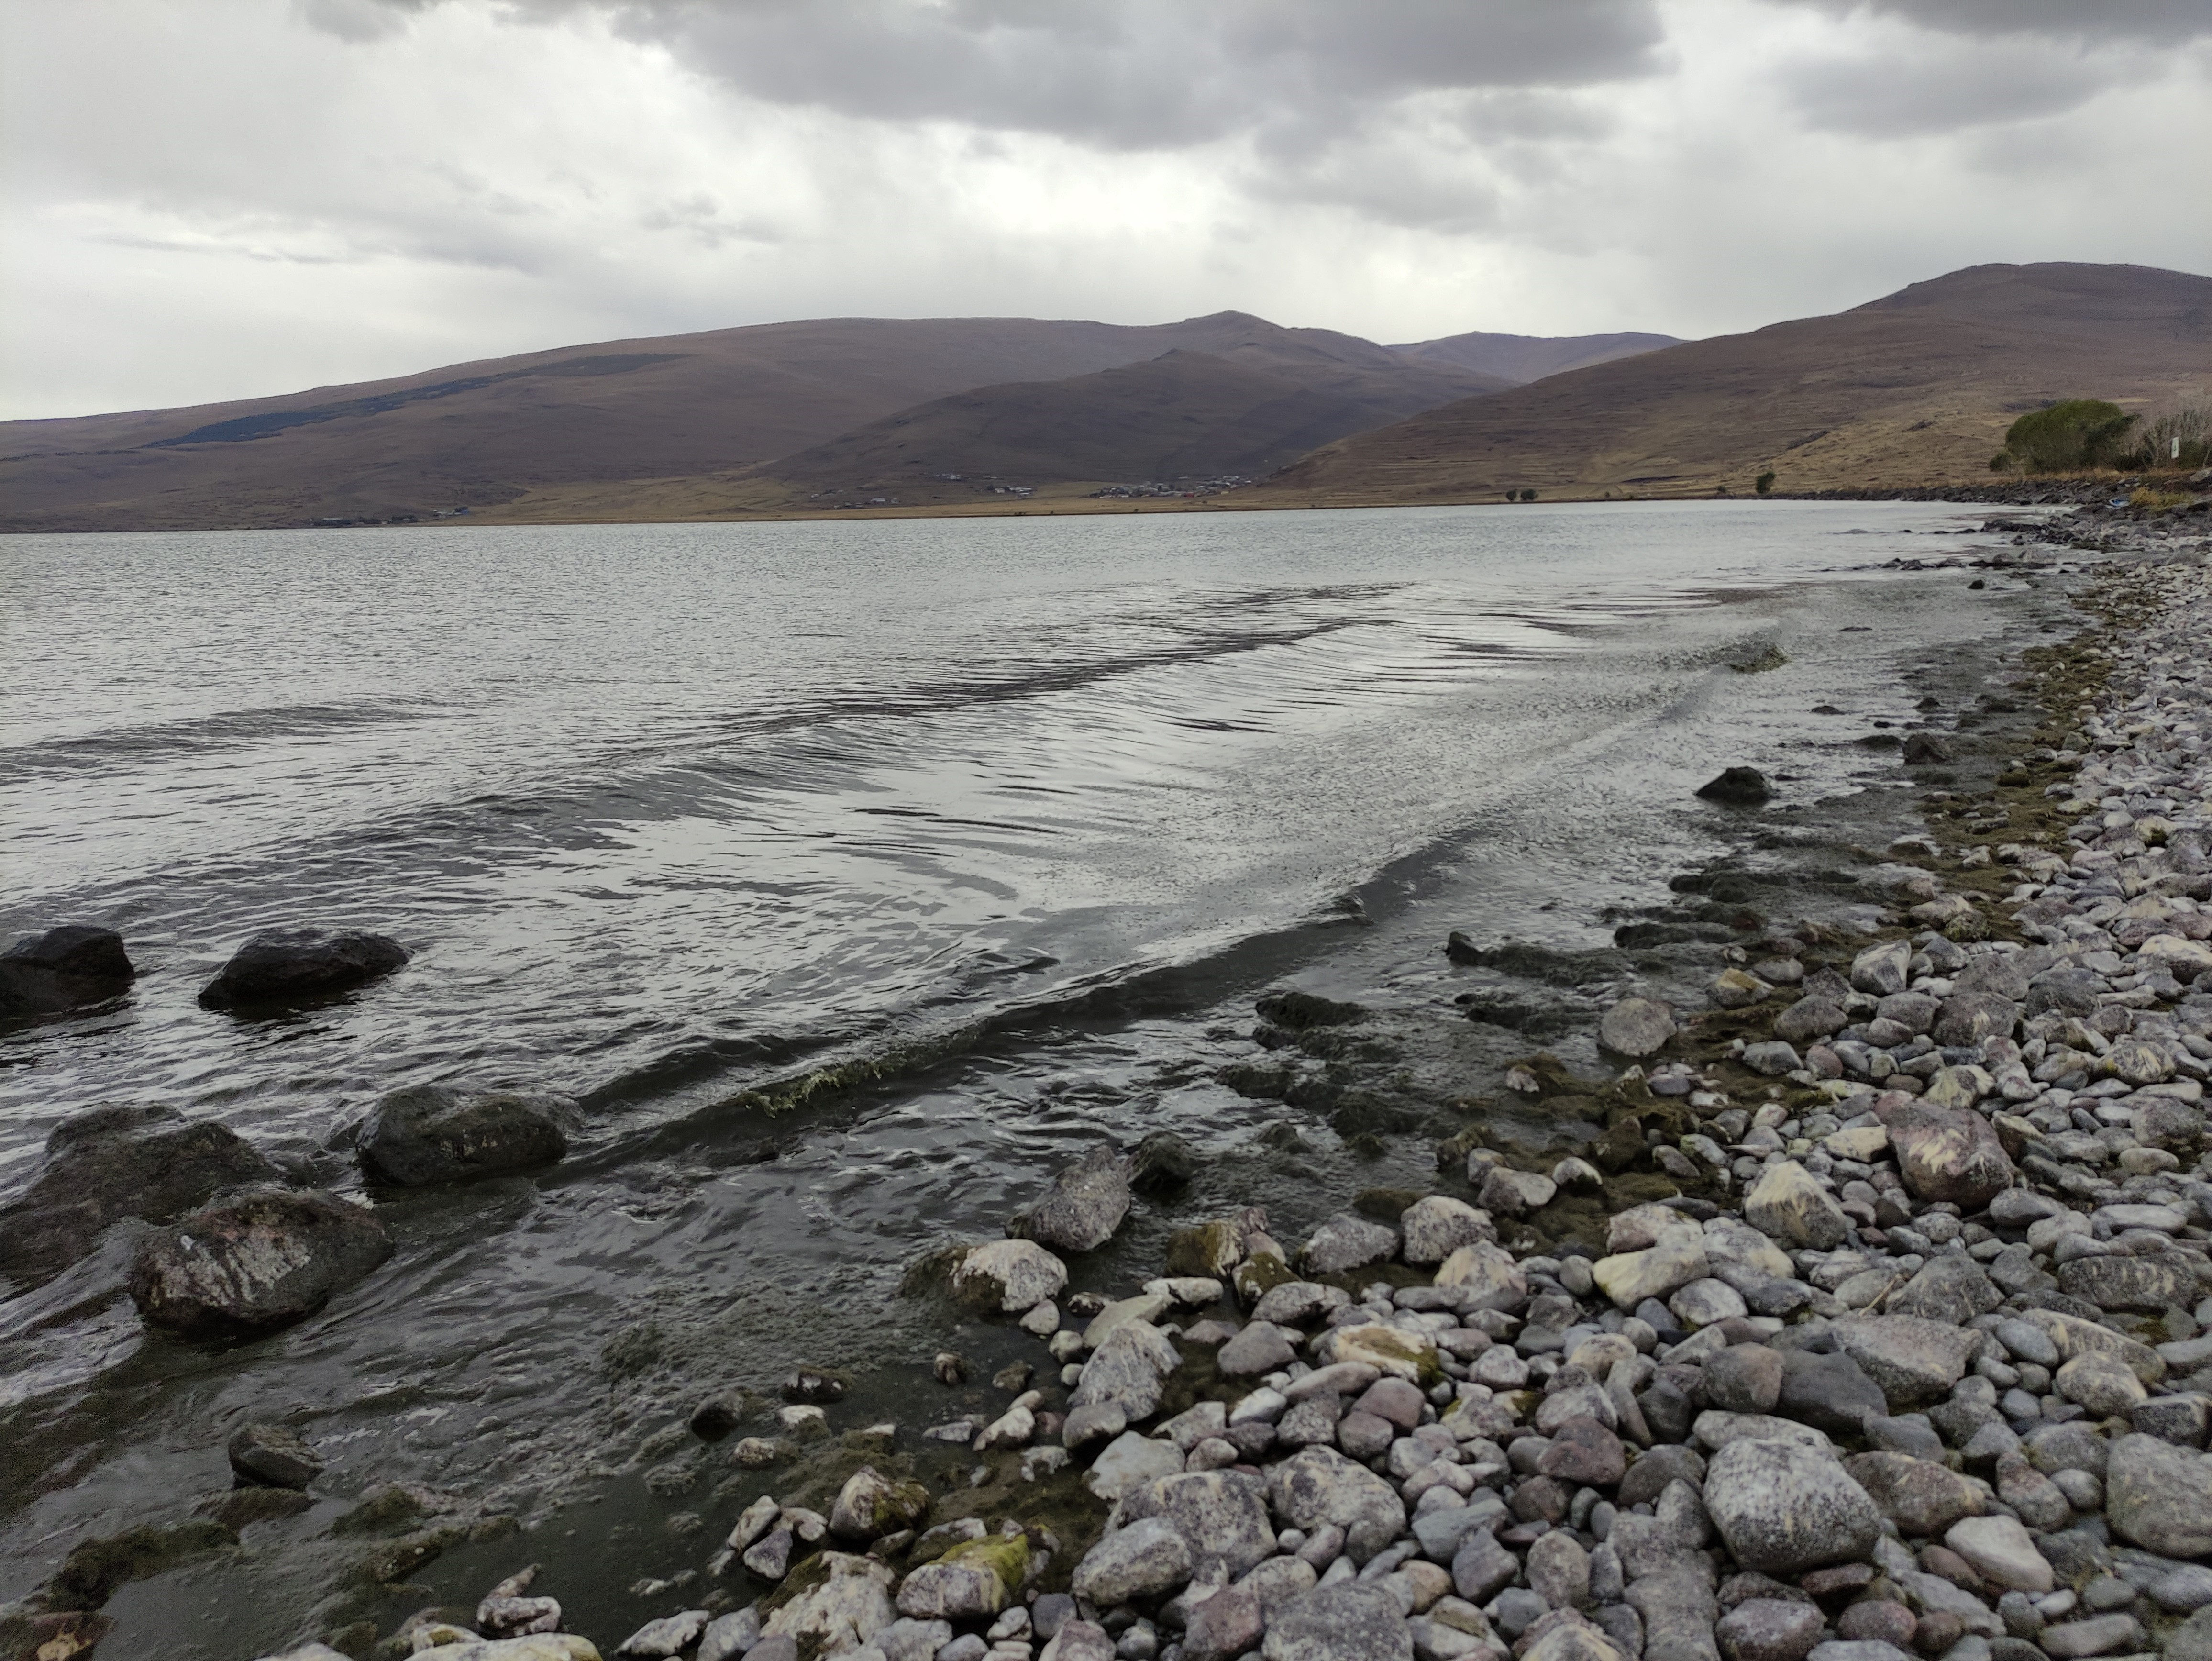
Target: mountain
[1521, 358]
[1915, 388]
[491, 431]
[1258, 400]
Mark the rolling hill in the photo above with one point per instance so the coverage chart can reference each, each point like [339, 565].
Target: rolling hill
[1255, 403]
[1521, 358]
[488, 432]
[1913, 389]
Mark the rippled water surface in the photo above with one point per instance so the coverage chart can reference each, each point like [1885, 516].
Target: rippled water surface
[667, 814]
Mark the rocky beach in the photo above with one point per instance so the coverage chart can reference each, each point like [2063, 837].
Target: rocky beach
[1857, 1307]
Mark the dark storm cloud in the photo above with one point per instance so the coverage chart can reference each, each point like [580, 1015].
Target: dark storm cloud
[1128, 75]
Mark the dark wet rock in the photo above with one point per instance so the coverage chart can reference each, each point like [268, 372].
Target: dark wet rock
[285, 964]
[116, 1162]
[1737, 787]
[1744, 1378]
[95, 1570]
[1084, 1205]
[273, 1456]
[1297, 1011]
[1784, 1508]
[1351, 1622]
[1829, 1392]
[1926, 750]
[1162, 1163]
[2066, 992]
[65, 968]
[1948, 1153]
[253, 1261]
[820, 1386]
[1647, 1477]
[433, 1133]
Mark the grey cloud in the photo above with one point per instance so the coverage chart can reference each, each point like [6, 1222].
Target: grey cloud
[1130, 74]
[1898, 96]
[358, 21]
[2110, 20]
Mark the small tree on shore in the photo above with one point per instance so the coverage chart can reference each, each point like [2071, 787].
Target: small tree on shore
[1764, 481]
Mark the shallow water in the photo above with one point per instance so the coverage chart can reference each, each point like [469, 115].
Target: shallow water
[1019, 812]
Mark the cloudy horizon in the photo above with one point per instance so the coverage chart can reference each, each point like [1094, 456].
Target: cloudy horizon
[238, 199]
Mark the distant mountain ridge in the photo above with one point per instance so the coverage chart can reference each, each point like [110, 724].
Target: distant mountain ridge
[1913, 389]
[1521, 358]
[727, 401]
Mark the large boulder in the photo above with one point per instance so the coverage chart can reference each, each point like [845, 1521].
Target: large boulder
[849, 1603]
[1149, 1559]
[63, 969]
[433, 1133]
[1223, 1514]
[115, 1162]
[254, 1261]
[1913, 1360]
[974, 1581]
[870, 1505]
[1789, 1204]
[1948, 1154]
[1084, 1205]
[1129, 1369]
[1318, 1486]
[283, 965]
[1784, 1508]
[1920, 1496]
[1009, 1277]
[1352, 1622]
[2159, 1496]
[1638, 1028]
[1439, 1225]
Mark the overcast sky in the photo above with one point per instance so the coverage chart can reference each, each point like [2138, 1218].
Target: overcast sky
[222, 198]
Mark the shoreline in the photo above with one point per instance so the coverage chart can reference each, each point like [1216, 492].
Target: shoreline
[1064, 1515]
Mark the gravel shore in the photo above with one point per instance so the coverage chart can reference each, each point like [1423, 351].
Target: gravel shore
[1909, 1353]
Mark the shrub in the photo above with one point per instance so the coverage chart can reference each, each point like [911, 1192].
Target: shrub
[1527, 496]
[1764, 481]
[2181, 438]
[2069, 435]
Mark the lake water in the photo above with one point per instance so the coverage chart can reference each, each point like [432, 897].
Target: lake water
[1021, 812]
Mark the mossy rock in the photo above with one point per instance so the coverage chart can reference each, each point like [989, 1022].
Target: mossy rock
[1387, 1205]
[95, 1569]
[1299, 1010]
[395, 1562]
[1207, 1252]
[1258, 1276]
[1006, 1556]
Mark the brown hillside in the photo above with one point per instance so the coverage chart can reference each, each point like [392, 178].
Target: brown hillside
[1913, 389]
[1521, 358]
[1255, 403]
[473, 434]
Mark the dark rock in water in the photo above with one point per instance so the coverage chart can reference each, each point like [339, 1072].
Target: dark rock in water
[431, 1134]
[1300, 1010]
[62, 968]
[254, 1261]
[713, 1419]
[1163, 1162]
[287, 964]
[1084, 1207]
[1926, 750]
[116, 1162]
[1739, 786]
[273, 1457]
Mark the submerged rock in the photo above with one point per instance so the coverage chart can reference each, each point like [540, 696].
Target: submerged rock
[433, 1133]
[254, 1261]
[1737, 787]
[63, 969]
[273, 1456]
[284, 964]
[116, 1162]
[1011, 1276]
